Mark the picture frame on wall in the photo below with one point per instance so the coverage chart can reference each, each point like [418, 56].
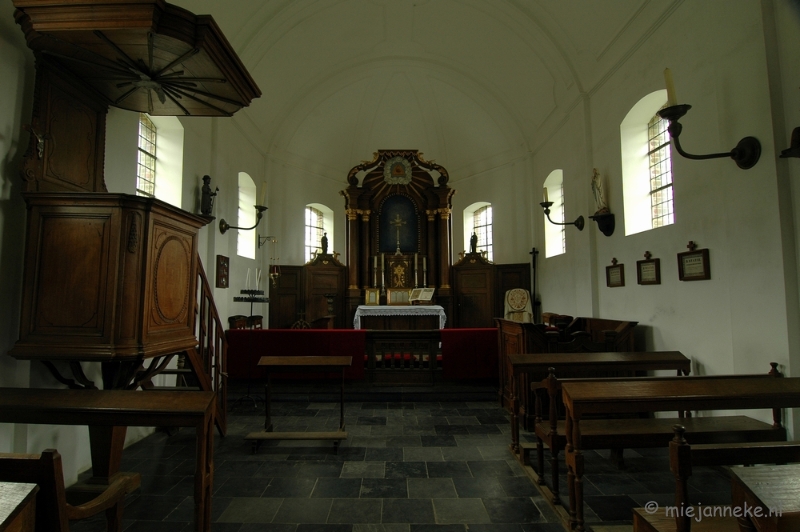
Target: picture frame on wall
[615, 275]
[648, 271]
[222, 272]
[694, 265]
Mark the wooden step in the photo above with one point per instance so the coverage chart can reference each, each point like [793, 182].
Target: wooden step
[177, 388]
[262, 435]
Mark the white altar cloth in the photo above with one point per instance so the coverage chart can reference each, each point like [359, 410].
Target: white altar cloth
[399, 310]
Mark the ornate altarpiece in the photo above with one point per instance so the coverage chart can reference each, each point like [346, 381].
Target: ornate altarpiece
[399, 231]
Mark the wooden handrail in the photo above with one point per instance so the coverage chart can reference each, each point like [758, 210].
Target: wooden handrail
[210, 358]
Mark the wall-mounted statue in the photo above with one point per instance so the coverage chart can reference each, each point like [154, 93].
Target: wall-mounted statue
[207, 199]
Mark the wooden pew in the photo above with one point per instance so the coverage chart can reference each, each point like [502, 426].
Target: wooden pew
[603, 364]
[583, 399]
[682, 457]
[52, 511]
[617, 434]
[105, 412]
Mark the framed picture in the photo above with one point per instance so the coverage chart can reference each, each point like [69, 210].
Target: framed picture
[615, 275]
[372, 297]
[398, 296]
[693, 265]
[222, 272]
[648, 271]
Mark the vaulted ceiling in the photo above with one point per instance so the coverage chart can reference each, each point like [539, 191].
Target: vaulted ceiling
[464, 81]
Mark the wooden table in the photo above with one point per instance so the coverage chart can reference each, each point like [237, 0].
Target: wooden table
[17, 507]
[106, 409]
[303, 364]
[570, 363]
[771, 493]
[662, 395]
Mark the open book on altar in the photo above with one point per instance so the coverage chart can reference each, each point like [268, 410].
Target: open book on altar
[421, 296]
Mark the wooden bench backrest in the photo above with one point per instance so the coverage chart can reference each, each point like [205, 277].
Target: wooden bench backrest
[682, 456]
[553, 387]
[46, 471]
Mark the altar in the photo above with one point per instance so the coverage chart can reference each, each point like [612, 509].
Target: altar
[395, 317]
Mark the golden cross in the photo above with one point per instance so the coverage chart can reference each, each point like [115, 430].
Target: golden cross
[397, 222]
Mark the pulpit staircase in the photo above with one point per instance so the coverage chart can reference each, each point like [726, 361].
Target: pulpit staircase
[203, 367]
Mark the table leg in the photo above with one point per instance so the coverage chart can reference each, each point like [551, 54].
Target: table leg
[204, 473]
[575, 465]
[268, 404]
[341, 404]
[106, 445]
[514, 415]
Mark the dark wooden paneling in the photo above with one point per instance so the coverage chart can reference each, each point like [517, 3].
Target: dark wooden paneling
[285, 299]
[507, 277]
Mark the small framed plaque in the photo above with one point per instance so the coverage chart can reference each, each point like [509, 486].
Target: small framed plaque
[615, 274]
[648, 271]
[223, 271]
[693, 265]
[372, 296]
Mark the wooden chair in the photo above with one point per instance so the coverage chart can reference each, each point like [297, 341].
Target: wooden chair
[53, 513]
[237, 321]
[682, 457]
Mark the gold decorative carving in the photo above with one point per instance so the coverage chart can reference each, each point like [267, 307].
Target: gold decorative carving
[352, 214]
[431, 215]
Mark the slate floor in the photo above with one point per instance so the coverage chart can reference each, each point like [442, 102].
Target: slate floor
[408, 466]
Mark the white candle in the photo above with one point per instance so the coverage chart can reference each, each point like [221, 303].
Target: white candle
[375, 262]
[263, 194]
[424, 263]
[381, 262]
[247, 282]
[415, 270]
[258, 278]
[671, 98]
[545, 194]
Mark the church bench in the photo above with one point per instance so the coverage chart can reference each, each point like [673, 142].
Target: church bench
[53, 513]
[618, 434]
[682, 517]
[584, 399]
[518, 338]
[108, 413]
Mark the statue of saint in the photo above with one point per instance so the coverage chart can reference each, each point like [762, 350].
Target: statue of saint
[207, 199]
[324, 243]
[597, 190]
[473, 243]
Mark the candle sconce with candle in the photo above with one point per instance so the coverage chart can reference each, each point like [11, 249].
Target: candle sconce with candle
[745, 154]
[579, 221]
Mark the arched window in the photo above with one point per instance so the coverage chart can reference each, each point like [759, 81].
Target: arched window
[478, 219]
[646, 166]
[555, 236]
[246, 240]
[318, 221]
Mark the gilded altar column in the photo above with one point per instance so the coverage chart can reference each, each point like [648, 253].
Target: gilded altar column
[365, 258]
[444, 247]
[353, 249]
[431, 251]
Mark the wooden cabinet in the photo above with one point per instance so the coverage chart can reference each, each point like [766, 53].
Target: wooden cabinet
[300, 292]
[480, 288]
[107, 277]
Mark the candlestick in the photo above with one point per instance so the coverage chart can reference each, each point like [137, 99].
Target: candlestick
[671, 98]
[415, 270]
[545, 194]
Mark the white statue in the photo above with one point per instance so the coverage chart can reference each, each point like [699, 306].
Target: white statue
[597, 189]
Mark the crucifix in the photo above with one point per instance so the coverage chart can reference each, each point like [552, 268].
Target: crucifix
[397, 222]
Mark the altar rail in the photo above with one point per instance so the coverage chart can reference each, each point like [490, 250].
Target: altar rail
[403, 357]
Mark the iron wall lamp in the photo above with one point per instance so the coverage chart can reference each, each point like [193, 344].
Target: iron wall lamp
[745, 154]
[794, 148]
[224, 226]
[577, 223]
